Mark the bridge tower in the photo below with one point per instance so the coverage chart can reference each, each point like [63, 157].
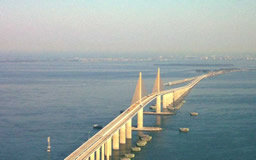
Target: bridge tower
[140, 92]
[158, 87]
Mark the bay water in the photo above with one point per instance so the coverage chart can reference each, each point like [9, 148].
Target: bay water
[64, 99]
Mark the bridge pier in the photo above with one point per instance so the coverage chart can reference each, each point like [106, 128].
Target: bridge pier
[116, 140]
[129, 129]
[140, 118]
[102, 152]
[122, 135]
[158, 104]
[92, 156]
[98, 154]
[108, 148]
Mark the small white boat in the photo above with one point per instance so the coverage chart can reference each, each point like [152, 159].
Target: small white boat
[153, 107]
[184, 129]
[97, 126]
[194, 113]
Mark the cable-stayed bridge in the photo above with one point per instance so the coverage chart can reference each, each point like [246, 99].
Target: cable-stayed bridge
[109, 138]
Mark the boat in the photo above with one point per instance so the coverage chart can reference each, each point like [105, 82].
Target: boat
[97, 126]
[184, 129]
[153, 107]
[193, 113]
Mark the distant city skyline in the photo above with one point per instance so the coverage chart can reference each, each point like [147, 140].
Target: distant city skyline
[128, 28]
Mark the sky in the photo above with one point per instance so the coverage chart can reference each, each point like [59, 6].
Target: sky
[165, 27]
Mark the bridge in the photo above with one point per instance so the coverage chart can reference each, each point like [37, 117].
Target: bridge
[179, 81]
[100, 146]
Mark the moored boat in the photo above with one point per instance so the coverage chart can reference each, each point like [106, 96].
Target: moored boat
[153, 107]
[184, 129]
[97, 126]
[194, 113]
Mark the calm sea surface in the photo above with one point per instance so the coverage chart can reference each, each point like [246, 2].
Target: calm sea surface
[64, 99]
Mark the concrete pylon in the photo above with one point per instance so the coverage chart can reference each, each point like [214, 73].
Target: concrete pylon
[122, 135]
[140, 91]
[158, 104]
[102, 152]
[140, 118]
[116, 140]
[129, 129]
[158, 87]
[92, 156]
[108, 148]
[140, 112]
[140, 86]
[158, 80]
[98, 154]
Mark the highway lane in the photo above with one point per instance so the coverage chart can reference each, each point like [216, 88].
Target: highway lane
[179, 81]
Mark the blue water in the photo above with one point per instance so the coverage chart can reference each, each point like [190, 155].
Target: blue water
[64, 99]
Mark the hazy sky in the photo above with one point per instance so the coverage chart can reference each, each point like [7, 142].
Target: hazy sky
[128, 26]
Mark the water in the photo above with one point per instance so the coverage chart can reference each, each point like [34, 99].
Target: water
[64, 99]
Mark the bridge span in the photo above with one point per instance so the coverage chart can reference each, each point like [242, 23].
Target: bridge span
[99, 146]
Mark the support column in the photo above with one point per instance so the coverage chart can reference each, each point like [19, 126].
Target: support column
[106, 151]
[129, 129]
[122, 135]
[140, 118]
[158, 104]
[108, 148]
[140, 112]
[116, 140]
[102, 152]
[92, 156]
[98, 154]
